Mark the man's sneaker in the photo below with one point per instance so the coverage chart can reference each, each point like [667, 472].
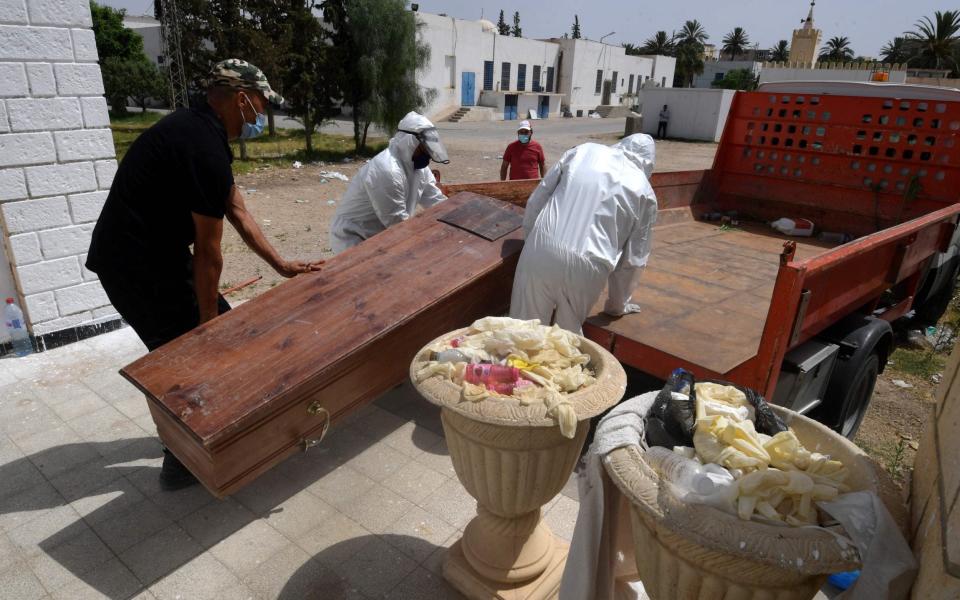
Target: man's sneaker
[173, 475]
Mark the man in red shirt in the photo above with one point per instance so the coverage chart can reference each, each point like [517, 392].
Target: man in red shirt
[524, 157]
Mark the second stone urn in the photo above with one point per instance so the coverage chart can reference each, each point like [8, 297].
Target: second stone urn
[513, 459]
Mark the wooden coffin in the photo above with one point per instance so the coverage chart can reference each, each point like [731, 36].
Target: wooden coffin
[239, 394]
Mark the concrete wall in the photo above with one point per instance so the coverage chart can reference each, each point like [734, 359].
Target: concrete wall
[771, 74]
[934, 493]
[56, 160]
[581, 61]
[721, 67]
[525, 101]
[695, 114]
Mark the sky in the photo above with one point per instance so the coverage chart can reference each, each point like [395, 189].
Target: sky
[868, 25]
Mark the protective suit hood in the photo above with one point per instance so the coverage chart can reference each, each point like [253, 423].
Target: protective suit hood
[639, 149]
[419, 130]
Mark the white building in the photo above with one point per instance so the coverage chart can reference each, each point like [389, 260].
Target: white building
[472, 65]
[149, 30]
[716, 70]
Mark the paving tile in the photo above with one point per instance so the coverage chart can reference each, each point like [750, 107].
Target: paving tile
[571, 489]
[28, 418]
[70, 400]
[377, 423]
[132, 405]
[438, 458]
[61, 565]
[175, 504]
[415, 482]
[9, 553]
[379, 461]
[562, 517]
[410, 439]
[56, 460]
[418, 533]
[299, 515]
[451, 503]
[125, 529]
[115, 497]
[377, 509]
[249, 547]
[217, 521]
[203, 578]
[134, 454]
[76, 483]
[146, 425]
[291, 573]
[19, 583]
[29, 536]
[376, 568]
[239, 591]
[335, 541]
[110, 580]
[18, 474]
[423, 585]
[267, 492]
[306, 468]
[434, 562]
[105, 425]
[29, 504]
[341, 486]
[160, 554]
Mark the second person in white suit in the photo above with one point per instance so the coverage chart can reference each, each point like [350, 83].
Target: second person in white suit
[388, 189]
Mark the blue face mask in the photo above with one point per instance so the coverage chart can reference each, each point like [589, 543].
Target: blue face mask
[420, 161]
[252, 130]
[524, 138]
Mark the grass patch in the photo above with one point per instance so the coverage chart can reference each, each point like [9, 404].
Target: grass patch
[890, 455]
[919, 363]
[280, 150]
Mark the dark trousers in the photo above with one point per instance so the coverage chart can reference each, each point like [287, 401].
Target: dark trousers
[662, 130]
[159, 309]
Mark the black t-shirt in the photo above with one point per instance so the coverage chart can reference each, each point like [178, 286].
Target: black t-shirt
[179, 166]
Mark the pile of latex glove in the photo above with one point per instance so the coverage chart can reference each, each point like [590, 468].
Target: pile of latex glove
[766, 476]
[502, 358]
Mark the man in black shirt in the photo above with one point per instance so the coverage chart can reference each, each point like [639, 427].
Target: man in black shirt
[172, 189]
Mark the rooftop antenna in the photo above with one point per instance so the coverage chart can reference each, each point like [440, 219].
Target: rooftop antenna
[169, 18]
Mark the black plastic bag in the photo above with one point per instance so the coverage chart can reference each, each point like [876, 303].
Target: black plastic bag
[673, 416]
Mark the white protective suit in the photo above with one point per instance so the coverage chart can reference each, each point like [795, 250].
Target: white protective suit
[386, 190]
[588, 223]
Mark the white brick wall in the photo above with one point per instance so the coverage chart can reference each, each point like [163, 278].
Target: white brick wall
[56, 160]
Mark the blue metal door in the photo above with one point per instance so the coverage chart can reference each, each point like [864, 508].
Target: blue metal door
[468, 87]
[510, 107]
[544, 108]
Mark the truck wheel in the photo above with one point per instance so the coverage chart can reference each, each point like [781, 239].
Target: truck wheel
[845, 404]
[932, 308]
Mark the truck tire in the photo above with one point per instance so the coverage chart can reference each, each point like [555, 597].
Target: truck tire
[933, 303]
[850, 405]
[865, 343]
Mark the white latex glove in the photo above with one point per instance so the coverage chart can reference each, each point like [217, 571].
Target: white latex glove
[626, 309]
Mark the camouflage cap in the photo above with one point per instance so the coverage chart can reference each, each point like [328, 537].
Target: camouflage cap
[239, 74]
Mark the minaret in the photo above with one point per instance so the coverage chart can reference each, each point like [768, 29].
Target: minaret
[806, 42]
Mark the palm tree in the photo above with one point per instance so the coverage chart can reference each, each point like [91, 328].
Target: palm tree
[780, 52]
[935, 41]
[660, 43]
[631, 49]
[837, 49]
[895, 51]
[736, 42]
[693, 32]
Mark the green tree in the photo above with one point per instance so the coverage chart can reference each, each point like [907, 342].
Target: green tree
[516, 31]
[737, 79]
[895, 51]
[575, 32]
[689, 53]
[379, 51]
[660, 43]
[780, 52]
[310, 71]
[502, 26]
[631, 49]
[837, 49]
[112, 38]
[934, 42]
[736, 42]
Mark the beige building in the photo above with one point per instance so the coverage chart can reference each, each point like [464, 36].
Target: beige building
[806, 42]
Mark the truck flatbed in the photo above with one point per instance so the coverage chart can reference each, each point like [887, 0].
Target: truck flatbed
[706, 291]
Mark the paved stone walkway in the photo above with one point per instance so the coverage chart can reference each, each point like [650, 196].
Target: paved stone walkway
[367, 515]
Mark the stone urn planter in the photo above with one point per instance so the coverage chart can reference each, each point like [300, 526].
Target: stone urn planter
[513, 459]
[694, 552]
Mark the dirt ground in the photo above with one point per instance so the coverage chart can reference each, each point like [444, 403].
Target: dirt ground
[295, 206]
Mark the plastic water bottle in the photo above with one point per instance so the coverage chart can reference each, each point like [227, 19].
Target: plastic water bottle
[688, 475]
[19, 336]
